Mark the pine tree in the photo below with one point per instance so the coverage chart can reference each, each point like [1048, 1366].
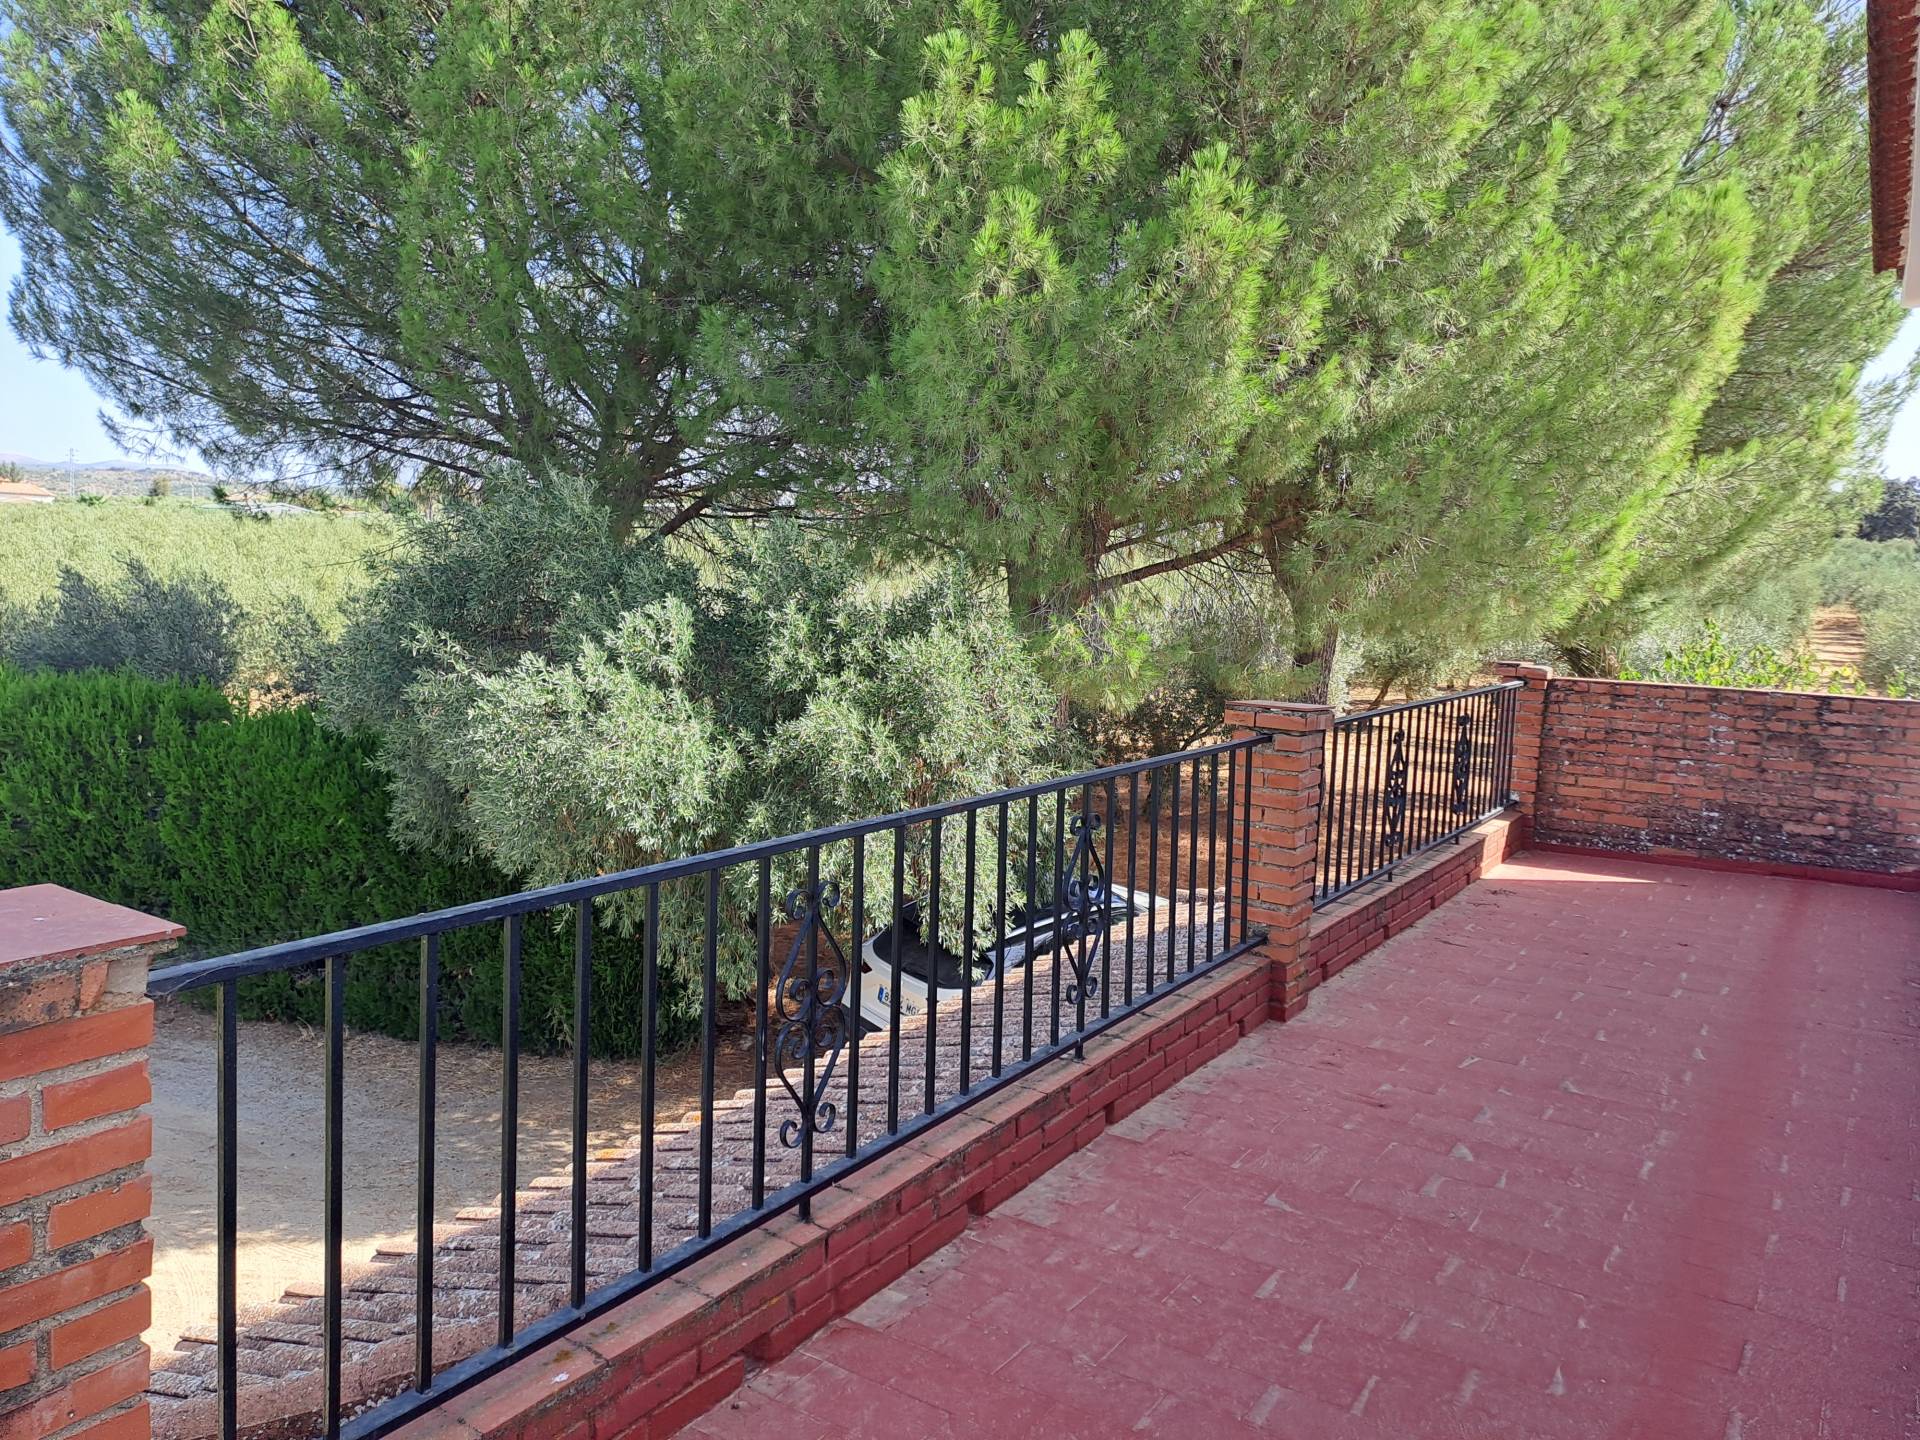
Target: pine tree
[1071, 353]
[1777, 466]
[428, 237]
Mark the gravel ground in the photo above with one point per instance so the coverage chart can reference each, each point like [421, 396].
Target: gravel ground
[280, 1152]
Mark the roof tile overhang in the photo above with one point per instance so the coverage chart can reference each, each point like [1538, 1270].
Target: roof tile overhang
[1893, 40]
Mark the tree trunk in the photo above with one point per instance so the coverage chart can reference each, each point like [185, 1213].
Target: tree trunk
[1315, 666]
[1588, 659]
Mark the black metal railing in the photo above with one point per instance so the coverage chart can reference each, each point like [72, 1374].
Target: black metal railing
[1400, 780]
[973, 941]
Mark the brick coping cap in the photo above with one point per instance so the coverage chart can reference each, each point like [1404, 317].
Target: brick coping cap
[50, 922]
[1733, 693]
[1279, 715]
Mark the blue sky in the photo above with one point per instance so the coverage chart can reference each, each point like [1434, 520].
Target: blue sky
[46, 409]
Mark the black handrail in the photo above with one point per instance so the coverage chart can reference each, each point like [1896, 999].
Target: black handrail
[265, 959]
[807, 1072]
[1402, 779]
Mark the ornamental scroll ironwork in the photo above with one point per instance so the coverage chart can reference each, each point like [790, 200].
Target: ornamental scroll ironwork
[1462, 760]
[1393, 799]
[809, 1002]
[1085, 898]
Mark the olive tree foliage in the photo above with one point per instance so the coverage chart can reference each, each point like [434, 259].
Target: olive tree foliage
[566, 704]
[1176, 651]
[188, 629]
[422, 239]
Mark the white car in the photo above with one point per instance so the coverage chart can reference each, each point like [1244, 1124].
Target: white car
[1105, 908]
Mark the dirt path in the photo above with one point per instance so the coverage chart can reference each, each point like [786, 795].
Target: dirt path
[1837, 640]
[280, 1147]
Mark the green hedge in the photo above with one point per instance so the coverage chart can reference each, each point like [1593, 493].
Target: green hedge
[249, 829]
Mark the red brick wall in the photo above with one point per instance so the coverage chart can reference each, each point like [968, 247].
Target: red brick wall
[74, 1142]
[1770, 777]
[1283, 823]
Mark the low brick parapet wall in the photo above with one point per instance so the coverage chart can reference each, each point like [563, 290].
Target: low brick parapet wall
[654, 1363]
[1779, 780]
[1344, 930]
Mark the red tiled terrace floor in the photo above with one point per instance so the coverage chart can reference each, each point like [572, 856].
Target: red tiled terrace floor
[1603, 1149]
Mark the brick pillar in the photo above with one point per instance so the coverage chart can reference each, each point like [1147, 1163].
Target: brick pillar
[1528, 721]
[1285, 832]
[75, 1023]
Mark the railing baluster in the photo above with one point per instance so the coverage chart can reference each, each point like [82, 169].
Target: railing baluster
[1084, 921]
[1213, 841]
[1106, 919]
[1376, 792]
[1325, 833]
[1475, 749]
[1362, 802]
[1246, 851]
[1153, 871]
[1133, 823]
[226, 1201]
[1003, 929]
[334, 1179]
[1483, 757]
[1341, 738]
[425, 1098]
[509, 1120]
[582, 1037]
[1193, 867]
[1173, 869]
[930, 936]
[1349, 761]
[1491, 752]
[649, 1030]
[856, 957]
[1474, 808]
[966, 953]
[1510, 703]
[709, 1043]
[816, 916]
[1497, 761]
[1060, 863]
[1420, 814]
[1029, 961]
[1406, 728]
[763, 943]
[893, 983]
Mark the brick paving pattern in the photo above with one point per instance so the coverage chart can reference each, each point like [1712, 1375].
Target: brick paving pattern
[1603, 1149]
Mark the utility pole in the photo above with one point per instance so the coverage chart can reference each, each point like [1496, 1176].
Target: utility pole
[73, 485]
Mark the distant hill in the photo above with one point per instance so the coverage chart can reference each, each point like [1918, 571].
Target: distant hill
[110, 477]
